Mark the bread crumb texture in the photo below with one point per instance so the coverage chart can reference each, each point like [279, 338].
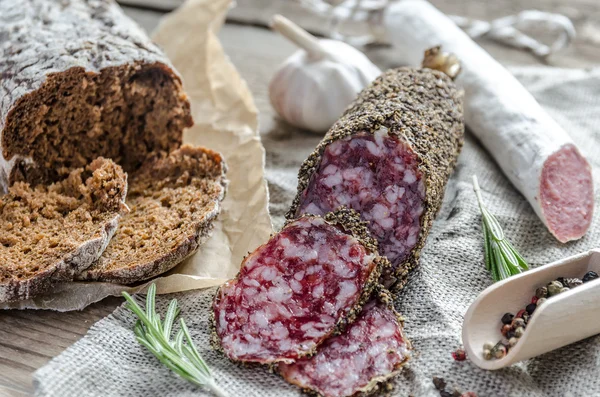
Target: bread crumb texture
[173, 200]
[45, 227]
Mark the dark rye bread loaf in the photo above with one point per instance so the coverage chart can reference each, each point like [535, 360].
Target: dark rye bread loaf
[174, 200]
[50, 232]
[78, 80]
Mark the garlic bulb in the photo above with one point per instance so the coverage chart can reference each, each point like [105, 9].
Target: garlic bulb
[313, 87]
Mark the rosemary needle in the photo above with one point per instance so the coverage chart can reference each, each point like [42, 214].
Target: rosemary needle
[501, 259]
[180, 354]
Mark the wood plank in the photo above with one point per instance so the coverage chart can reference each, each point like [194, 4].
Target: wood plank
[30, 338]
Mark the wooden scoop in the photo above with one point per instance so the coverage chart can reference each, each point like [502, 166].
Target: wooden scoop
[563, 319]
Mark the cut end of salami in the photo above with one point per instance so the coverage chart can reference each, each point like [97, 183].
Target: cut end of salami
[378, 176]
[389, 158]
[567, 194]
[307, 282]
[372, 350]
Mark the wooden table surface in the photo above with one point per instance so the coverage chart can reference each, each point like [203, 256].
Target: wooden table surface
[29, 339]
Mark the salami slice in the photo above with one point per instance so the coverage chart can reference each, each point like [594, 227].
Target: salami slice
[306, 283]
[372, 350]
[389, 158]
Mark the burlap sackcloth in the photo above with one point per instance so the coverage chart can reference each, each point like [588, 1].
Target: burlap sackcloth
[109, 362]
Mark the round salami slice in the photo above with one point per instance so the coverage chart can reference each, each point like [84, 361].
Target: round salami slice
[389, 158]
[307, 282]
[372, 350]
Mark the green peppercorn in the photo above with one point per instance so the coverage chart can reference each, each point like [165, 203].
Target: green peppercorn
[572, 282]
[554, 288]
[513, 341]
[518, 322]
[519, 332]
[487, 354]
[488, 346]
[541, 292]
[564, 289]
[499, 351]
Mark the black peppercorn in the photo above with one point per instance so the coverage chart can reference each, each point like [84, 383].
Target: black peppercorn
[507, 318]
[530, 308]
[445, 393]
[561, 280]
[589, 276]
[439, 383]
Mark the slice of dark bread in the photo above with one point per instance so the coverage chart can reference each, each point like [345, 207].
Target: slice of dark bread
[51, 232]
[174, 200]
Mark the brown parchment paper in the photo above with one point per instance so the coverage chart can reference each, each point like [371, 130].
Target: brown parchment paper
[226, 120]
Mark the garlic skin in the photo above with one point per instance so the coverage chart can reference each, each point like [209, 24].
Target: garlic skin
[313, 87]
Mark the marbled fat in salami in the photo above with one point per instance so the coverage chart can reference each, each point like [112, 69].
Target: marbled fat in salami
[306, 283]
[372, 350]
[378, 175]
[389, 158]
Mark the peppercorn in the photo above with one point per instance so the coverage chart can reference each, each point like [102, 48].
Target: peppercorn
[507, 318]
[589, 276]
[510, 333]
[469, 394]
[456, 393]
[445, 393]
[541, 292]
[488, 346]
[459, 355]
[572, 282]
[541, 300]
[518, 322]
[534, 299]
[499, 351]
[513, 341]
[564, 289]
[530, 308]
[487, 354]
[505, 329]
[554, 288]
[526, 317]
[520, 313]
[519, 332]
[561, 280]
[439, 383]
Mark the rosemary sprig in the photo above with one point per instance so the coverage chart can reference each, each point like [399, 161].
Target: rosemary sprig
[501, 259]
[177, 355]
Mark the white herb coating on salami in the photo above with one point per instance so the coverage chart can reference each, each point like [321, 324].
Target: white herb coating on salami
[389, 157]
[506, 118]
[308, 282]
[69, 64]
[372, 350]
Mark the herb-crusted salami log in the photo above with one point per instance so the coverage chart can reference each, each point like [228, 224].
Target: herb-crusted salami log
[174, 201]
[306, 283]
[51, 232]
[372, 350]
[80, 80]
[389, 158]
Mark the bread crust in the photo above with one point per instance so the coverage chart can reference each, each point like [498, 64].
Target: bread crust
[88, 251]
